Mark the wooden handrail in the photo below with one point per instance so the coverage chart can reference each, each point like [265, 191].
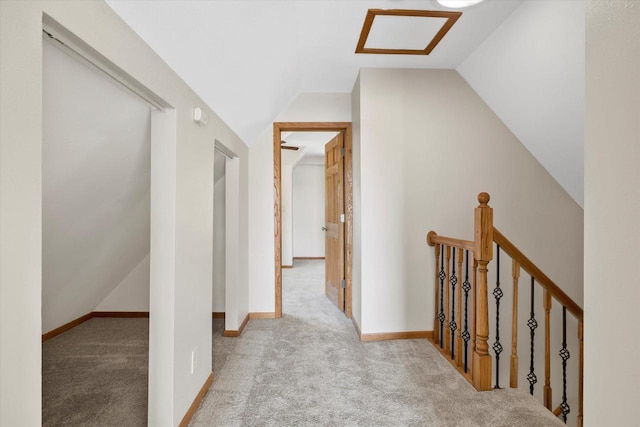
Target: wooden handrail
[537, 274]
[516, 254]
[433, 239]
[448, 322]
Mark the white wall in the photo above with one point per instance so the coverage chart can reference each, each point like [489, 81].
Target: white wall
[289, 159]
[219, 233]
[20, 217]
[132, 294]
[308, 210]
[162, 266]
[428, 145]
[95, 196]
[286, 180]
[317, 107]
[612, 202]
[530, 71]
[181, 260]
[235, 304]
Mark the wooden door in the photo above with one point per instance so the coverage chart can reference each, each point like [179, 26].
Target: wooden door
[334, 220]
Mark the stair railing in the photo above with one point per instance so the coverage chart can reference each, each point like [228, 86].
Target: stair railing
[461, 322]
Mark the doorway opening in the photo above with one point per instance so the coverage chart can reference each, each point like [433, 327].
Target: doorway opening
[96, 175]
[226, 226]
[302, 178]
[219, 234]
[339, 165]
[103, 135]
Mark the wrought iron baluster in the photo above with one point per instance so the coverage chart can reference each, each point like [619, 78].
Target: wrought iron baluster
[466, 287]
[442, 276]
[498, 294]
[565, 355]
[452, 323]
[531, 376]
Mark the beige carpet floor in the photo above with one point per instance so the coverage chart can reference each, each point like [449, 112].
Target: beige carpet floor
[310, 369]
[306, 369]
[96, 374]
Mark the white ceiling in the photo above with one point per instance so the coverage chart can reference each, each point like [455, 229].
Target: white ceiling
[248, 59]
[401, 32]
[312, 143]
[531, 72]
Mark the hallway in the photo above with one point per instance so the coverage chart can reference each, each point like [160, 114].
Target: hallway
[310, 369]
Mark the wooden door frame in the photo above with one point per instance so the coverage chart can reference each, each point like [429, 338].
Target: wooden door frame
[345, 128]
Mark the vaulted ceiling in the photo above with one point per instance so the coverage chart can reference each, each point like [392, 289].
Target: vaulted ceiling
[248, 59]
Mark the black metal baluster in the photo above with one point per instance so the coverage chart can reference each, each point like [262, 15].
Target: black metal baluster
[565, 355]
[498, 294]
[452, 323]
[466, 287]
[442, 275]
[531, 377]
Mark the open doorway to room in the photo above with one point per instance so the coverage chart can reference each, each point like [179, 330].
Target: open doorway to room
[308, 202]
[226, 255]
[328, 146]
[96, 233]
[219, 235]
[303, 195]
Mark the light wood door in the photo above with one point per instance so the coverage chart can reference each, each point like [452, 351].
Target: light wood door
[334, 220]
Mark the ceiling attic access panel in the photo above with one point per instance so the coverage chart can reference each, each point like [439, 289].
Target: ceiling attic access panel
[404, 32]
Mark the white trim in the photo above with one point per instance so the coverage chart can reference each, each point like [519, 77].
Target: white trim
[233, 317]
[224, 150]
[62, 38]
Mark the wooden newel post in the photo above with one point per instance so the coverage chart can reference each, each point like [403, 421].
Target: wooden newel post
[483, 254]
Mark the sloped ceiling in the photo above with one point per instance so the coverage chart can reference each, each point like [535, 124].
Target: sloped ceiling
[96, 181]
[311, 143]
[530, 71]
[248, 59]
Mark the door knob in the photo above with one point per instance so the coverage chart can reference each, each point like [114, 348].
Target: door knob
[324, 228]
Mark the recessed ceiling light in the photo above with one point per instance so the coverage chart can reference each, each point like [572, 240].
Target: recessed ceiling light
[458, 4]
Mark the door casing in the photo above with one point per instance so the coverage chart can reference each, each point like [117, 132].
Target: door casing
[345, 128]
